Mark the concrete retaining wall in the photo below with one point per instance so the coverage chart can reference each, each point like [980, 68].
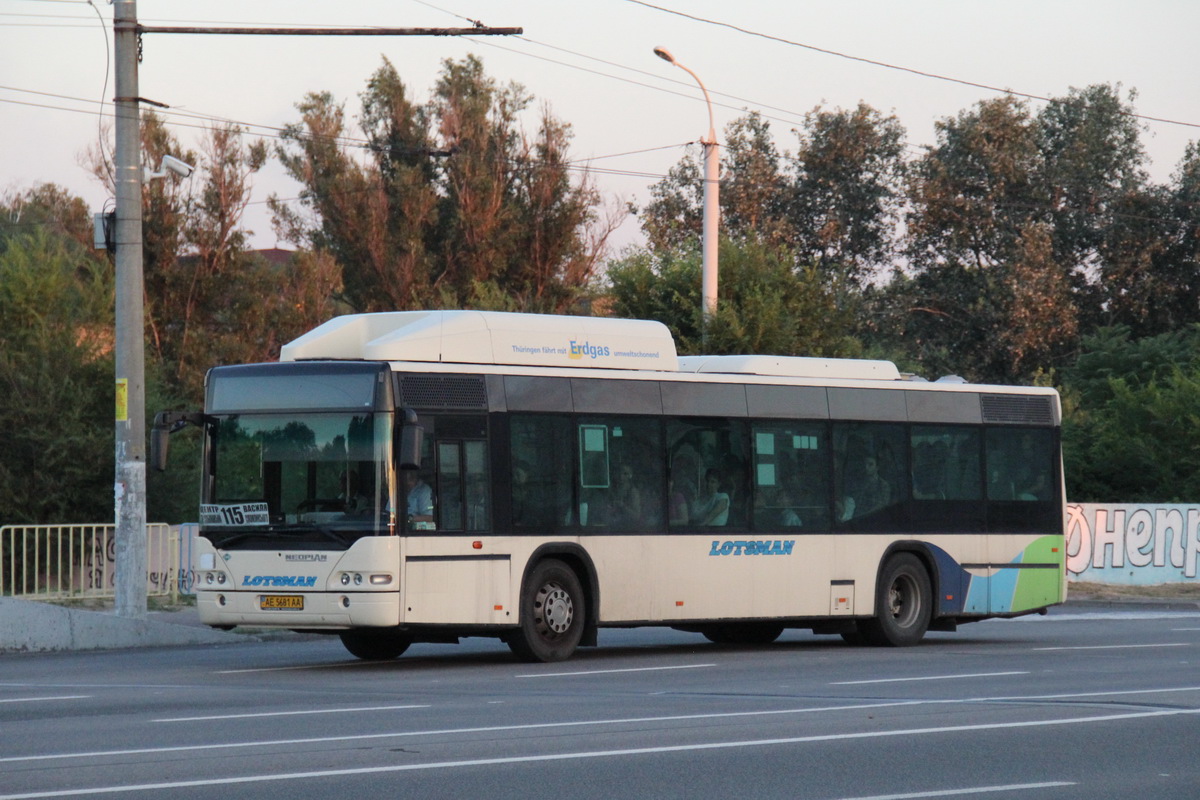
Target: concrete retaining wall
[1142, 545]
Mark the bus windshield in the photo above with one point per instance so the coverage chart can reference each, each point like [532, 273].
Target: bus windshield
[283, 475]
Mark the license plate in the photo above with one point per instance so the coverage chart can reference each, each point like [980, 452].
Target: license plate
[291, 602]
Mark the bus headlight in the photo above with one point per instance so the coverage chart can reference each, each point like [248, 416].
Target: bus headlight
[345, 579]
[381, 580]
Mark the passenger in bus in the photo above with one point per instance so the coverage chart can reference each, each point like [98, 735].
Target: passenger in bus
[773, 507]
[788, 499]
[523, 507]
[869, 493]
[927, 473]
[712, 505]
[1031, 481]
[351, 496]
[678, 508]
[1000, 483]
[625, 500]
[476, 499]
[420, 499]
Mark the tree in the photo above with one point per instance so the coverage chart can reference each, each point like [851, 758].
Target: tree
[1091, 158]
[675, 213]
[55, 363]
[845, 190]
[975, 191]
[1131, 422]
[991, 299]
[451, 203]
[754, 193]
[833, 203]
[209, 298]
[765, 304]
[1042, 321]
[1150, 256]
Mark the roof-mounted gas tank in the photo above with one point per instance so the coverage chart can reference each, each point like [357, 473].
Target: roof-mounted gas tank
[490, 337]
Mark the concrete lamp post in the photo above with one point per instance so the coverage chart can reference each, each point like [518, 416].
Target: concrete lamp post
[712, 210]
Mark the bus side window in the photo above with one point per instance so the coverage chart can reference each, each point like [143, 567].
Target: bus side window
[462, 486]
[791, 484]
[709, 459]
[871, 477]
[946, 477]
[1021, 469]
[541, 472]
[621, 473]
[477, 505]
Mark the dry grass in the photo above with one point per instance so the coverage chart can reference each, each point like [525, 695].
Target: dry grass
[1078, 590]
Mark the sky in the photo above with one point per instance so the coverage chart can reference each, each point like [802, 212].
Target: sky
[592, 64]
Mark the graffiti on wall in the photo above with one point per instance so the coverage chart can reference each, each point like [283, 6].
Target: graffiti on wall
[1133, 544]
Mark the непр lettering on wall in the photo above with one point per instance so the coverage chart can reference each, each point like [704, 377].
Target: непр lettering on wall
[1133, 544]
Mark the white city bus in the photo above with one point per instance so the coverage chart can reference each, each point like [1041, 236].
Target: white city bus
[423, 476]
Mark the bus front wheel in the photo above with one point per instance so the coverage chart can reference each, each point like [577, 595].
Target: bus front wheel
[552, 614]
[375, 644]
[903, 604]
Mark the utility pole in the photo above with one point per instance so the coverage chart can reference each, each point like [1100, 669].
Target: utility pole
[129, 489]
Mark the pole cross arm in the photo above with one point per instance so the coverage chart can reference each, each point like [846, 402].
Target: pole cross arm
[484, 31]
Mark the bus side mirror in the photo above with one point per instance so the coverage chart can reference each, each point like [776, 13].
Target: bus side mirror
[160, 444]
[166, 423]
[412, 437]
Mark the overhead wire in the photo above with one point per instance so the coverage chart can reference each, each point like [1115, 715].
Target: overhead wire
[277, 132]
[885, 64]
[703, 20]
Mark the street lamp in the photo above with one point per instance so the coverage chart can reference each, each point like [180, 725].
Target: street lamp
[712, 213]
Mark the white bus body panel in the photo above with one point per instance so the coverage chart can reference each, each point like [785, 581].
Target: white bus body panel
[676, 578]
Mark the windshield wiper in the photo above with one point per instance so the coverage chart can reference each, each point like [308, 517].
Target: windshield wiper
[329, 533]
[280, 533]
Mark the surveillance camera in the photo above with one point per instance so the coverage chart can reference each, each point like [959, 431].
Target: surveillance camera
[180, 168]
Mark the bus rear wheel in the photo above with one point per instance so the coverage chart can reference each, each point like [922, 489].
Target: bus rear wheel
[552, 614]
[903, 604]
[376, 644]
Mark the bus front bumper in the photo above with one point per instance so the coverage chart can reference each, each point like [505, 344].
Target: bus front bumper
[309, 610]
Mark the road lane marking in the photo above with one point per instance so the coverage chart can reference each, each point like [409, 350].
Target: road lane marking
[609, 671]
[332, 665]
[1118, 616]
[288, 713]
[1012, 787]
[929, 678]
[1116, 646]
[632, 751]
[39, 699]
[580, 724]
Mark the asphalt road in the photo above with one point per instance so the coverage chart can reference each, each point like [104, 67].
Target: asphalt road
[1081, 704]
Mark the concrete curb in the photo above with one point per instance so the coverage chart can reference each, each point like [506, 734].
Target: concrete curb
[32, 627]
[29, 627]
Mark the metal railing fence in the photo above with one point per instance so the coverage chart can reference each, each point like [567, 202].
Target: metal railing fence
[58, 562]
